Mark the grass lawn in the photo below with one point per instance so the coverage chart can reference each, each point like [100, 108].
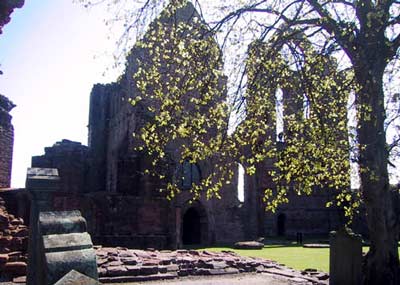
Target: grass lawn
[291, 255]
[294, 256]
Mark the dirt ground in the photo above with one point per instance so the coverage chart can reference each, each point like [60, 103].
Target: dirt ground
[240, 279]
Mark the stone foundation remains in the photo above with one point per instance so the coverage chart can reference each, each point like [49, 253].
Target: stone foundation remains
[13, 245]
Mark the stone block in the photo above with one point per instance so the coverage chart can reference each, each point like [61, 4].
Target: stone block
[76, 278]
[249, 245]
[20, 280]
[57, 264]
[62, 222]
[43, 179]
[64, 242]
[116, 270]
[148, 270]
[129, 260]
[3, 258]
[63, 245]
[15, 268]
[133, 270]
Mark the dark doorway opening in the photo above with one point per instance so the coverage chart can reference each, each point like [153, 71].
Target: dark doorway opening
[191, 227]
[281, 224]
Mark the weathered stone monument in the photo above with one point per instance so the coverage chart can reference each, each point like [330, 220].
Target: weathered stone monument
[41, 183]
[58, 241]
[64, 246]
[345, 258]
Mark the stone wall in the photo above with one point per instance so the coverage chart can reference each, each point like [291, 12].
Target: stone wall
[303, 214]
[306, 215]
[13, 244]
[137, 222]
[6, 141]
[17, 202]
[71, 160]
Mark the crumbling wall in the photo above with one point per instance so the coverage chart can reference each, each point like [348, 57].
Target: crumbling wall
[6, 141]
[124, 206]
[13, 244]
[71, 160]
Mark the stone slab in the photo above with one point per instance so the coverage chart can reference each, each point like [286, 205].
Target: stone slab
[64, 242]
[60, 263]
[139, 278]
[76, 278]
[41, 172]
[249, 245]
[62, 222]
[43, 179]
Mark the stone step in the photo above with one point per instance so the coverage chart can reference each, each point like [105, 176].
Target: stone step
[138, 278]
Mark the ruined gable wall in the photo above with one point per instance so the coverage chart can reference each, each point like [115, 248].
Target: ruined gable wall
[124, 206]
[305, 214]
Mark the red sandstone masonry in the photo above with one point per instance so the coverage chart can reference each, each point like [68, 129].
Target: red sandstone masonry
[6, 150]
[6, 141]
[13, 245]
[119, 264]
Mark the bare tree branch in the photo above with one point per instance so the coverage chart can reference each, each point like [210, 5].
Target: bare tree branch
[344, 37]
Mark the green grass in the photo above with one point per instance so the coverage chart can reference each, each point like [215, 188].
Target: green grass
[291, 255]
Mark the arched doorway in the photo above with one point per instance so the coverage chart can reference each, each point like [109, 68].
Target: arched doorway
[191, 233]
[281, 227]
[195, 226]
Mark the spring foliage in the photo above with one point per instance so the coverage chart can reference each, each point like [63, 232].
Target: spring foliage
[180, 79]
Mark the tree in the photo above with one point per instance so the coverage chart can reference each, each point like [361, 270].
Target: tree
[6, 8]
[364, 37]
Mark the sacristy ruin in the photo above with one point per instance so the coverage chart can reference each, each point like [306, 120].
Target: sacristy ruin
[123, 206]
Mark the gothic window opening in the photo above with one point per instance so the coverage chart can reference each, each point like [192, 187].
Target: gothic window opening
[279, 114]
[306, 107]
[240, 185]
[190, 174]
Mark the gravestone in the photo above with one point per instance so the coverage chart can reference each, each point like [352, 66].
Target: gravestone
[345, 258]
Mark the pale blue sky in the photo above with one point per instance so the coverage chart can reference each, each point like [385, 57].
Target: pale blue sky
[51, 54]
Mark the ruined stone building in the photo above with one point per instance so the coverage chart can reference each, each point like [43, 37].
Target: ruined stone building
[306, 215]
[125, 207]
[106, 180]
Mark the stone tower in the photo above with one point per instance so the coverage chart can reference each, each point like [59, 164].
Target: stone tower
[6, 141]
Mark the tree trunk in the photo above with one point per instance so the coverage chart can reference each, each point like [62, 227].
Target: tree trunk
[381, 264]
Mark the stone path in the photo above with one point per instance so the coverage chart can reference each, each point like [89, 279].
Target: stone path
[239, 279]
[117, 265]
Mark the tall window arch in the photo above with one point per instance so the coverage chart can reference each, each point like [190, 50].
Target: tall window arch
[240, 184]
[190, 174]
